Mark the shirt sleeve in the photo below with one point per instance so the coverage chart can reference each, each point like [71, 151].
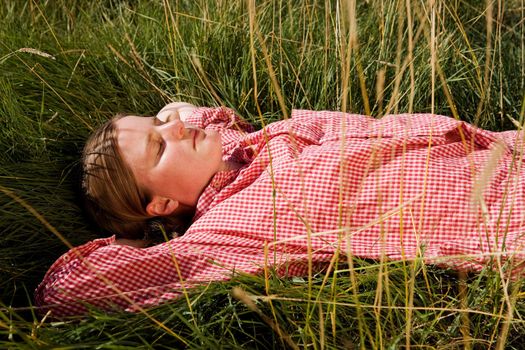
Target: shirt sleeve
[117, 277]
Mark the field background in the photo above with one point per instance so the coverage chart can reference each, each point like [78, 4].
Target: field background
[67, 66]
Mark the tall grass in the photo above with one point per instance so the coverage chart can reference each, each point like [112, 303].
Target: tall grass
[67, 67]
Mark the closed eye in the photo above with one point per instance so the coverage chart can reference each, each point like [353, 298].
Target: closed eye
[160, 150]
[160, 144]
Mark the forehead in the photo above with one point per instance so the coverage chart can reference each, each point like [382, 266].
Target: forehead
[132, 134]
[132, 123]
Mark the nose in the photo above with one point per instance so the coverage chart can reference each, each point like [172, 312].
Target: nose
[174, 128]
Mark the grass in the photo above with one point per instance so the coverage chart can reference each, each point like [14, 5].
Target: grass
[66, 67]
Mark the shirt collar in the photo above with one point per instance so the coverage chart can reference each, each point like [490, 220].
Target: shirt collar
[217, 183]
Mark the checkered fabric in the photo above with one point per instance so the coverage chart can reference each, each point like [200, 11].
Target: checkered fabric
[400, 187]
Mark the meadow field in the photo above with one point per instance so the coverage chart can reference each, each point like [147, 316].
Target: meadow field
[68, 66]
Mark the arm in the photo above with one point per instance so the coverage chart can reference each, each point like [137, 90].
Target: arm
[180, 110]
[116, 277]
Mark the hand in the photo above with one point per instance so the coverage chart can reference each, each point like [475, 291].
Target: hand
[178, 110]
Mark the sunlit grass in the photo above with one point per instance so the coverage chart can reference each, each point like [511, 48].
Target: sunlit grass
[65, 68]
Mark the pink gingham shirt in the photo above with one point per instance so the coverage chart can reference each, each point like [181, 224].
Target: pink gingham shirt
[400, 187]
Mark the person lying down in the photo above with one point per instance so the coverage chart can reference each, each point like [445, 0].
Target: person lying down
[401, 187]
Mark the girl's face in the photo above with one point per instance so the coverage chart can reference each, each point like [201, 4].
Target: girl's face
[171, 161]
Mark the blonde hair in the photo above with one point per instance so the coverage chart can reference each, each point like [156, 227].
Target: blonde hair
[112, 196]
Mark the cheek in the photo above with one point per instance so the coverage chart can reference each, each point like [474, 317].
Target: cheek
[162, 179]
[216, 145]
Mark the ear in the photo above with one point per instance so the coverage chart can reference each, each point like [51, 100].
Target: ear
[161, 206]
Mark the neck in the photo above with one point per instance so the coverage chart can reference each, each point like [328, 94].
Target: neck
[136, 243]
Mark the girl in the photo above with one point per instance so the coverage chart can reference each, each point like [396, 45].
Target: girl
[119, 185]
[292, 196]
